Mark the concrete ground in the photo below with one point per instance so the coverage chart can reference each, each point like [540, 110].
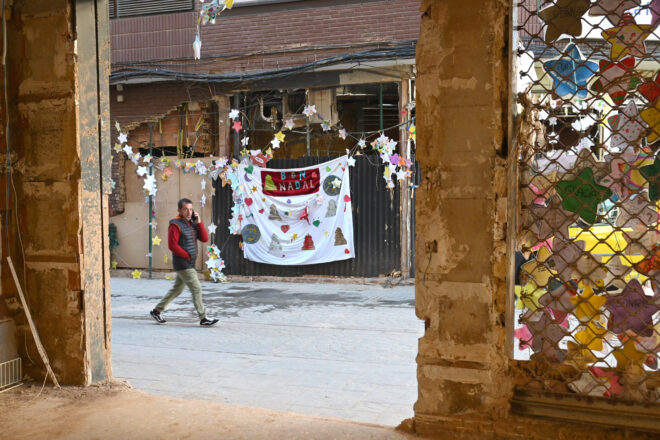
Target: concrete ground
[331, 350]
[111, 412]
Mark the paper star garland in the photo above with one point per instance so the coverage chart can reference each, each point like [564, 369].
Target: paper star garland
[342, 133]
[571, 72]
[612, 9]
[616, 78]
[211, 228]
[233, 114]
[122, 138]
[632, 310]
[113, 263]
[156, 240]
[582, 195]
[141, 171]
[279, 136]
[237, 126]
[118, 148]
[326, 126]
[652, 117]
[627, 38]
[564, 17]
[136, 274]
[362, 143]
[289, 124]
[275, 143]
[350, 161]
[652, 174]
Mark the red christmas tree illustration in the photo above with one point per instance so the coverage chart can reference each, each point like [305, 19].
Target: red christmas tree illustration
[308, 245]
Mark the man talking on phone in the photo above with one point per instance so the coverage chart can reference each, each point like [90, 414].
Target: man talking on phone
[182, 235]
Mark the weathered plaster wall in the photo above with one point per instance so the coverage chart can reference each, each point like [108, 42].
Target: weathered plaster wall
[49, 209]
[465, 378]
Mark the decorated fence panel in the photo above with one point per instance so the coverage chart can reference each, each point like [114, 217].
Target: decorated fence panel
[376, 226]
[588, 231]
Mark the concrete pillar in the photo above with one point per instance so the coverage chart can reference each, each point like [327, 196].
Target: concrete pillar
[460, 291]
[56, 216]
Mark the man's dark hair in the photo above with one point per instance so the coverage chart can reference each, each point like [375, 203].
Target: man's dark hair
[184, 202]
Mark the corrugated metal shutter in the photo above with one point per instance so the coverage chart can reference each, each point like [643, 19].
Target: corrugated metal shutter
[112, 8]
[127, 8]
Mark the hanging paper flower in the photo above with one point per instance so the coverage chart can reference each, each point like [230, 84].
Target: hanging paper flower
[289, 124]
[141, 171]
[215, 264]
[122, 138]
[150, 185]
[342, 133]
[326, 126]
[233, 114]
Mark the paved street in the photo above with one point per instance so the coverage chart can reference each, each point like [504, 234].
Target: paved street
[334, 350]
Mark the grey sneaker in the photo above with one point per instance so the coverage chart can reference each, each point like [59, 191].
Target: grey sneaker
[208, 322]
[156, 315]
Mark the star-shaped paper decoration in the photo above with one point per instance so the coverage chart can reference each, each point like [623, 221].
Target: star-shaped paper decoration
[591, 334]
[141, 171]
[233, 114]
[128, 150]
[564, 17]
[565, 256]
[651, 89]
[289, 124]
[336, 183]
[588, 305]
[652, 117]
[588, 385]
[279, 136]
[546, 334]
[309, 110]
[156, 240]
[582, 195]
[245, 141]
[578, 357]
[558, 297]
[627, 126]
[275, 143]
[114, 263]
[136, 274]
[362, 143]
[632, 310]
[342, 133]
[237, 126]
[350, 161]
[211, 228]
[118, 148]
[326, 126]
[612, 9]
[616, 78]
[122, 138]
[627, 38]
[628, 355]
[571, 72]
[652, 174]
[147, 158]
[636, 213]
[654, 7]
[616, 180]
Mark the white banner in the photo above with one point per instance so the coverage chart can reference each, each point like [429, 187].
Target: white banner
[297, 216]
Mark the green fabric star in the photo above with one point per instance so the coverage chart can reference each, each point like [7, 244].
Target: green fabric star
[652, 174]
[582, 195]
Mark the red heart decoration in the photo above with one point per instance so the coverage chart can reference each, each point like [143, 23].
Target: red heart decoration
[261, 211]
[347, 198]
[248, 201]
[284, 228]
[346, 251]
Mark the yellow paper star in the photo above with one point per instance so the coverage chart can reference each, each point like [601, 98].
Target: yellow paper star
[118, 148]
[279, 136]
[156, 240]
[269, 152]
[326, 233]
[254, 189]
[627, 38]
[136, 274]
[591, 336]
[114, 264]
[165, 259]
[577, 357]
[628, 355]
[294, 236]
[537, 269]
[588, 305]
[652, 117]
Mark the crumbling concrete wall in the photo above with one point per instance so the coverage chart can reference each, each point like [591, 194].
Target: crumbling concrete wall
[466, 380]
[49, 204]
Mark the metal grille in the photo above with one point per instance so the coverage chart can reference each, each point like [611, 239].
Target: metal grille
[588, 230]
[10, 373]
[128, 8]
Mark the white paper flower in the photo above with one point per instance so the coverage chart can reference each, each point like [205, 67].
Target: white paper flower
[309, 110]
[233, 114]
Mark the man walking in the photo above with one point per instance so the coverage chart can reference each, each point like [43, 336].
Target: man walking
[182, 235]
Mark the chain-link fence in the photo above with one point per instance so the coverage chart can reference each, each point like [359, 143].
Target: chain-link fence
[587, 315]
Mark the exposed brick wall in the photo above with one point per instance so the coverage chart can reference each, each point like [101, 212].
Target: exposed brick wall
[255, 30]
